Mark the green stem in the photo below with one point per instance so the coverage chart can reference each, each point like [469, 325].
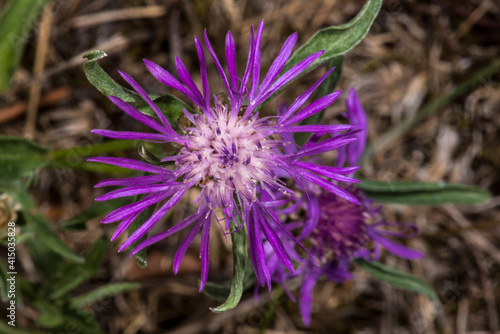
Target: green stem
[74, 157]
[430, 109]
[89, 150]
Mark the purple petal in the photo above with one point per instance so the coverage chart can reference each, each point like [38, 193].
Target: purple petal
[313, 108]
[133, 208]
[204, 79]
[159, 114]
[204, 255]
[188, 81]
[168, 79]
[324, 146]
[137, 190]
[302, 98]
[279, 62]
[231, 61]
[315, 128]
[254, 83]
[131, 111]
[329, 186]
[128, 163]
[179, 226]
[185, 244]
[275, 242]
[219, 67]
[325, 171]
[313, 215]
[248, 68]
[357, 117]
[256, 250]
[151, 137]
[132, 181]
[144, 228]
[306, 298]
[394, 247]
[123, 226]
[286, 78]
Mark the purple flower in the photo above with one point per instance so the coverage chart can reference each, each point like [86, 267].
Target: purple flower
[235, 157]
[338, 230]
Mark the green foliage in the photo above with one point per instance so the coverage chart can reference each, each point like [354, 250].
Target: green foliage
[4, 290]
[78, 222]
[397, 278]
[240, 244]
[336, 40]
[16, 23]
[72, 275]
[103, 292]
[168, 104]
[423, 193]
[20, 160]
[46, 235]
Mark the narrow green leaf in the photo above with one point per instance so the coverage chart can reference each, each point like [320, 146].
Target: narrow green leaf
[4, 289]
[170, 106]
[75, 274]
[336, 40]
[16, 23]
[78, 222]
[46, 235]
[221, 291]
[397, 278]
[423, 193]
[77, 321]
[103, 82]
[51, 316]
[240, 244]
[5, 328]
[20, 158]
[103, 292]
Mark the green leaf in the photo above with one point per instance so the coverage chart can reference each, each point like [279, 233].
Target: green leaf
[397, 278]
[46, 235]
[103, 82]
[240, 244]
[103, 292]
[75, 274]
[221, 291]
[78, 222]
[4, 289]
[170, 106]
[60, 318]
[336, 40]
[51, 315]
[423, 193]
[15, 27]
[20, 158]
[8, 329]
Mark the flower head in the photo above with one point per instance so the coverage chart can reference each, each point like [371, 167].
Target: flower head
[236, 158]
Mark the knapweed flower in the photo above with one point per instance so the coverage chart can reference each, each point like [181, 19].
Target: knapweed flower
[230, 153]
[339, 231]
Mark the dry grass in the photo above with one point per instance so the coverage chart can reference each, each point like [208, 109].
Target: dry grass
[415, 52]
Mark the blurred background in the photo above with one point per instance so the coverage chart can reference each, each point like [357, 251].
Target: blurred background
[417, 53]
